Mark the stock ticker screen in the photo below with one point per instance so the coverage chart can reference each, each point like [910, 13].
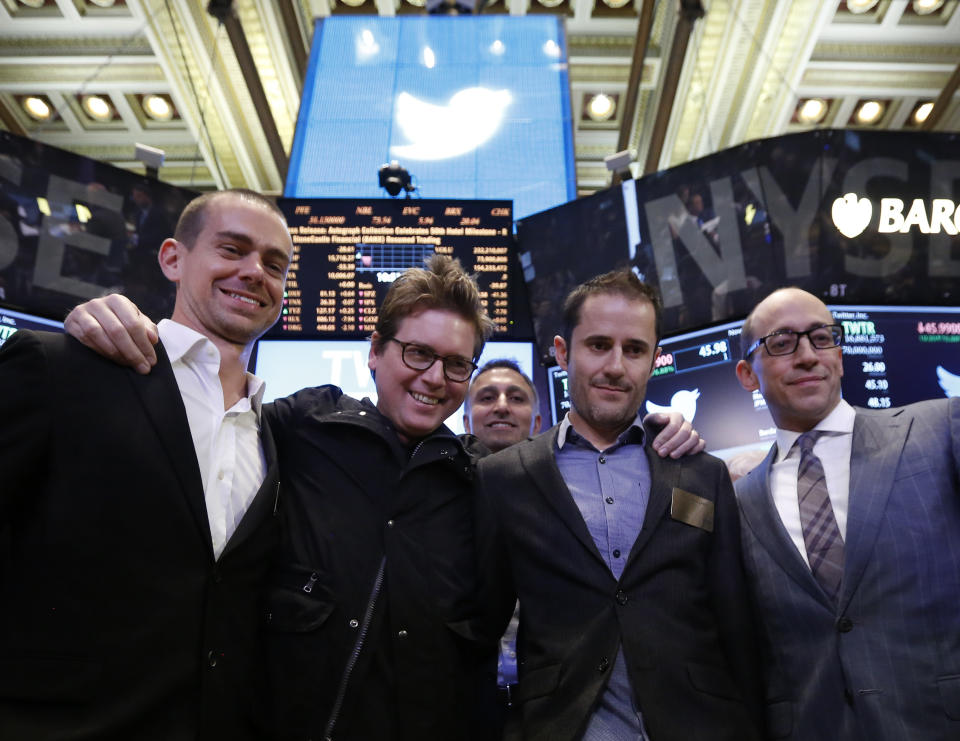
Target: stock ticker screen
[892, 355]
[347, 252]
[11, 321]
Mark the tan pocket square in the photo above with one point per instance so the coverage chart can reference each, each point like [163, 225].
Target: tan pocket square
[691, 509]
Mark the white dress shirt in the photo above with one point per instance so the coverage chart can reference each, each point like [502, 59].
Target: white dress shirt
[227, 443]
[833, 449]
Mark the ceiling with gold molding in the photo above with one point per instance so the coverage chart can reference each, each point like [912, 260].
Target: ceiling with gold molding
[746, 65]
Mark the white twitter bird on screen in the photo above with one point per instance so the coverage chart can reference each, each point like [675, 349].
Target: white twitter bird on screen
[438, 132]
[949, 382]
[683, 401]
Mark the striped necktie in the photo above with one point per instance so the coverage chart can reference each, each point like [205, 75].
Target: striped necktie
[821, 535]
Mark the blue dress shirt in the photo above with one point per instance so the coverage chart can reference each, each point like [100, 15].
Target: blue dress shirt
[611, 488]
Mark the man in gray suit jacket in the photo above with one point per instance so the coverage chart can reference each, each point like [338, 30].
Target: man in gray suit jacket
[851, 541]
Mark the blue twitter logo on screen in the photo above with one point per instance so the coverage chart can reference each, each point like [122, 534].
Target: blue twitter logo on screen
[472, 107]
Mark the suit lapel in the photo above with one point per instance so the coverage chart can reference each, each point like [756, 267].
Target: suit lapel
[539, 462]
[664, 477]
[761, 516]
[874, 457]
[160, 396]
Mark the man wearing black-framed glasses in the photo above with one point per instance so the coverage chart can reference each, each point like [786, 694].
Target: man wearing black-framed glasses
[786, 341]
[850, 533]
[420, 358]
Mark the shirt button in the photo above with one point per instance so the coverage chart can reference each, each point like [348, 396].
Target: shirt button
[844, 624]
[609, 500]
[354, 623]
[220, 475]
[401, 633]
[616, 553]
[622, 598]
[602, 459]
[211, 659]
[389, 523]
[363, 414]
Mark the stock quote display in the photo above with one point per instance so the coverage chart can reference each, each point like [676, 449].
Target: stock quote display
[11, 321]
[897, 355]
[347, 252]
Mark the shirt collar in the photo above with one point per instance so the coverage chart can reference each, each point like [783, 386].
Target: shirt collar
[633, 434]
[839, 422]
[186, 345]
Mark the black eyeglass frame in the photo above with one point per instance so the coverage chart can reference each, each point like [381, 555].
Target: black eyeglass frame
[836, 331]
[444, 359]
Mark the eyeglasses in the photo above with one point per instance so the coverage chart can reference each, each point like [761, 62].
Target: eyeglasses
[420, 358]
[786, 342]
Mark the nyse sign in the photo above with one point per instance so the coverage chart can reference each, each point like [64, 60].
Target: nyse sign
[72, 228]
[57, 231]
[715, 245]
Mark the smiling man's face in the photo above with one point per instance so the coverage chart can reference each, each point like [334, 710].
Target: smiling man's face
[501, 409]
[417, 402]
[801, 388]
[230, 280]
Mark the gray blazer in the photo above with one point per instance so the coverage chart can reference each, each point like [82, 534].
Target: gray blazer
[884, 664]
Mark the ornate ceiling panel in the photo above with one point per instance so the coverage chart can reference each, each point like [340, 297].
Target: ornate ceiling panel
[748, 64]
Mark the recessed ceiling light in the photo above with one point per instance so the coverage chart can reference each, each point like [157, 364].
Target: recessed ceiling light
[925, 7]
[32, 3]
[812, 110]
[104, 3]
[601, 107]
[869, 112]
[37, 108]
[923, 112]
[860, 6]
[157, 107]
[97, 107]
[615, 3]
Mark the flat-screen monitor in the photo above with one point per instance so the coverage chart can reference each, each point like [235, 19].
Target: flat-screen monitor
[11, 321]
[348, 252]
[290, 365]
[471, 106]
[72, 228]
[891, 356]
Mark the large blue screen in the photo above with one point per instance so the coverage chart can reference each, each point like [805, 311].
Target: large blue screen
[472, 107]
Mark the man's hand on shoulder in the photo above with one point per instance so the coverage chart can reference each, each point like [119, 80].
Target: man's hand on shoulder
[114, 327]
[677, 438]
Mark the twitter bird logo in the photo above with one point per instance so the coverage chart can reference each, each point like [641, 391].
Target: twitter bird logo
[683, 401]
[439, 132]
[949, 382]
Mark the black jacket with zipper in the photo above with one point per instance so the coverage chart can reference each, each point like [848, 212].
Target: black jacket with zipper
[374, 582]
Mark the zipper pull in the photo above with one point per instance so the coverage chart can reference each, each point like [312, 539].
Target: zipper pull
[308, 587]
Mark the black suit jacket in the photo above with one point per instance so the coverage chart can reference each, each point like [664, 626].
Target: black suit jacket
[116, 621]
[679, 610]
